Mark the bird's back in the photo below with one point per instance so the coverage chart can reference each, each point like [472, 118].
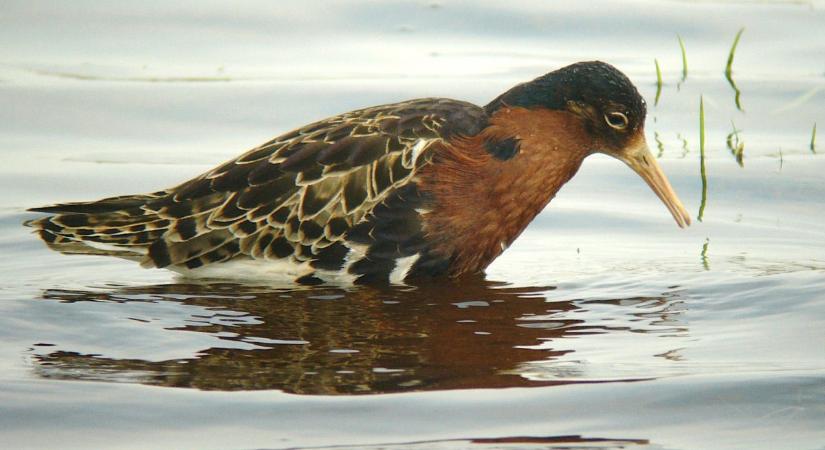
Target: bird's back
[336, 197]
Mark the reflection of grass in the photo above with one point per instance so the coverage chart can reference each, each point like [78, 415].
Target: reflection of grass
[729, 71]
[685, 148]
[704, 254]
[659, 144]
[684, 59]
[658, 82]
[736, 145]
[702, 158]
[813, 139]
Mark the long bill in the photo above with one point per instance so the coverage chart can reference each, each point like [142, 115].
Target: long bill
[639, 158]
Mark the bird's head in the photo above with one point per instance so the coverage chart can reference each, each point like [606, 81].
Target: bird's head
[612, 114]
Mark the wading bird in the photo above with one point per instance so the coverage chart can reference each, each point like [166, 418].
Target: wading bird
[421, 188]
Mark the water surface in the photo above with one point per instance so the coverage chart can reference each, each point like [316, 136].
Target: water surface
[603, 326]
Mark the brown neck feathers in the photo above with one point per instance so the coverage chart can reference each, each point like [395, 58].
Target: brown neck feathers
[482, 203]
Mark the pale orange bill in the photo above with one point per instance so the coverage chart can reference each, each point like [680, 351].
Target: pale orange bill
[643, 163]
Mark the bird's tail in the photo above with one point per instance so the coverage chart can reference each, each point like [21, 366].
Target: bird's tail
[116, 226]
[155, 229]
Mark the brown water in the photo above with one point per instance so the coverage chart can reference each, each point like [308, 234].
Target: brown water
[603, 326]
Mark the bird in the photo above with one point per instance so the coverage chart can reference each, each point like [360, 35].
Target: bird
[420, 189]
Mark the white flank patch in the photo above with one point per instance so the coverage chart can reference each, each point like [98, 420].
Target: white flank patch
[285, 271]
[113, 248]
[275, 273]
[402, 268]
[336, 277]
[282, 270]
[356, 252]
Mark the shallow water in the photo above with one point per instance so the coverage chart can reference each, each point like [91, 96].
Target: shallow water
[603, 326]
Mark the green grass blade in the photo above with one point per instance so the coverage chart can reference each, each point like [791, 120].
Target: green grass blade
[733, 51]
[729, 69]
[658, 82]
[702, 171]
[684, 59]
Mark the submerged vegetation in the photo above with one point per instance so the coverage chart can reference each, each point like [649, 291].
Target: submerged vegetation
[733, 140]
[685, 148]
[736, 145]
[704, 254]
[659, 144]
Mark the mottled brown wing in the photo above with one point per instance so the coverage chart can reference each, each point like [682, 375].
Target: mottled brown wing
[304, 196]
[298, 195]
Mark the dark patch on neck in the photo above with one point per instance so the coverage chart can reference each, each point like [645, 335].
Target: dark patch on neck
[502, 149]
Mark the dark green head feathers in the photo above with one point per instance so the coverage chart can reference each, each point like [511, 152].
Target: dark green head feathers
[590, 88]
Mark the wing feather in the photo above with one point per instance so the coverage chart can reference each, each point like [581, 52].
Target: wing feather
[298, 196]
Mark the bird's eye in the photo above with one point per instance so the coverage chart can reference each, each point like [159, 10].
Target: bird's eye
[616, 120]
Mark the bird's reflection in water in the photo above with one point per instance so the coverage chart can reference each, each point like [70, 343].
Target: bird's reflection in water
[323, 340]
